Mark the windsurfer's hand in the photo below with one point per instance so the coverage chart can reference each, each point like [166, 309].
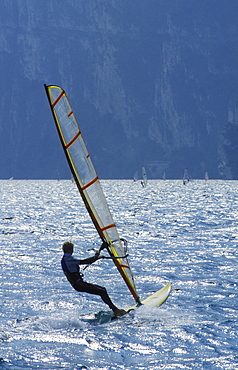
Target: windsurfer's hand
[97, 254]
[102, 256]
[104, 245]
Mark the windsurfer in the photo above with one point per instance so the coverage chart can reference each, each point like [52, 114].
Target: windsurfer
[70, 266]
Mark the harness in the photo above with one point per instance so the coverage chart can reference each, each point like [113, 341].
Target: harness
[72, 277]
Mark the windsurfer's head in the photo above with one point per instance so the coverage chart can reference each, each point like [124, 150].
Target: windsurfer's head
[68, 247]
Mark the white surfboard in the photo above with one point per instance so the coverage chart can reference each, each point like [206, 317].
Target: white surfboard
[154, 300]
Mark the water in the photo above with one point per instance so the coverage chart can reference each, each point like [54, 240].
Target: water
[186, 235]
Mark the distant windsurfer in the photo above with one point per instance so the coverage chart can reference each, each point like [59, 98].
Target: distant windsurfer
[70, 266]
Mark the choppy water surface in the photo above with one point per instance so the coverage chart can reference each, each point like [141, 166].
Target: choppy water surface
[186, 235]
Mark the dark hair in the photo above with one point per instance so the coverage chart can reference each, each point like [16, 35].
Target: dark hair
[68, 247]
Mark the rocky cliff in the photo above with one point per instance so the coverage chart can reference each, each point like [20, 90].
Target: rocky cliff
[152, 83]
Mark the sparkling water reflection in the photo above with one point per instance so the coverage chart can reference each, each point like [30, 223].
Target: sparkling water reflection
[186, 235]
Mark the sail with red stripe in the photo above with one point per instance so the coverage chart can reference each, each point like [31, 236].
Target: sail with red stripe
[87, 181]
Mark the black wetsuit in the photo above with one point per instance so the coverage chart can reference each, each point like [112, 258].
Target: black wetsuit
[70, 266]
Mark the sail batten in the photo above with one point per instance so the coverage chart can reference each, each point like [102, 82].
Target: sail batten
[87, 181]
[108, 227]
[90, 183]
[73, 140]
[58, 99]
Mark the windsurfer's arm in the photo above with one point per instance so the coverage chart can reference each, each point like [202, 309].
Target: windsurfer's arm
[90, 260]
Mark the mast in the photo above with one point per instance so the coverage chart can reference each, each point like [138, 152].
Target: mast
[87, 181]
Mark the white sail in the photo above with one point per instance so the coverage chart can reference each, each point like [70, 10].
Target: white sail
[87, 181]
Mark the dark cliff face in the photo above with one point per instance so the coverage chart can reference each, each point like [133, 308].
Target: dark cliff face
[151, 83]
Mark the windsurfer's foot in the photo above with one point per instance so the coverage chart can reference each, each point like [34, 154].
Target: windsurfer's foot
[118, 312]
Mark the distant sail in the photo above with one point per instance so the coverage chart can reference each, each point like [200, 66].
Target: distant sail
[136, 177]
[206, 176]
[144, 177]
[186, 177]
[87, 180]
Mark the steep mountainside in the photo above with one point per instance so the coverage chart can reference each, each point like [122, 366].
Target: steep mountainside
[152, 83]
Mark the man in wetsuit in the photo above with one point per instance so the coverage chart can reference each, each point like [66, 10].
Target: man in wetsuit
[70, 266]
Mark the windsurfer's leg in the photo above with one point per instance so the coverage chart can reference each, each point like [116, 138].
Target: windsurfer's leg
[82, 286]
